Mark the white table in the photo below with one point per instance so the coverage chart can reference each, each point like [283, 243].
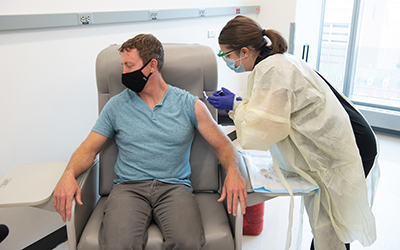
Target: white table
[26, 205]
[30, 184]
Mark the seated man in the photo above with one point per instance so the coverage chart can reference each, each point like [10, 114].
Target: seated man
[154, 125]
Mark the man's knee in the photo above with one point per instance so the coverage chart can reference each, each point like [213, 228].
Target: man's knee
[189, 245]
[122, 243]
[183, 243]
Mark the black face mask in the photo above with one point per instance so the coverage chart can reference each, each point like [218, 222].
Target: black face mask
[135, 80]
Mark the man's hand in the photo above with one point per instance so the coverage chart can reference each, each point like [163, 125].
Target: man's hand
[234, 189]
[66, 189]
[81, 160]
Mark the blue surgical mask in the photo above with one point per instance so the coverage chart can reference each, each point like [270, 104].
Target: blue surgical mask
[231, 64]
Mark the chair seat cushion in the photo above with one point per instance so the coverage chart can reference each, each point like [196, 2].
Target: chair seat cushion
[215, 222]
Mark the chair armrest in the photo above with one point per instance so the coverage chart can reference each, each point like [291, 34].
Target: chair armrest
[80, 214]
[236, 223]
[245, 174]
[231, 133]
[238, 228]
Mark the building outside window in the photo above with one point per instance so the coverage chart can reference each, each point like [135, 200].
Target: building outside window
[360, 50]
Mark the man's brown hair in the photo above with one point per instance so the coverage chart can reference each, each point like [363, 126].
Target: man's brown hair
[148, 46]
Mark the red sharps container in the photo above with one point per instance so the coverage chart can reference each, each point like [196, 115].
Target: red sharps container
[253, 220]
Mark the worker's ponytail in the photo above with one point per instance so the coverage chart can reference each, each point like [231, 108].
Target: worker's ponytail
[243, 31]
[278, 43]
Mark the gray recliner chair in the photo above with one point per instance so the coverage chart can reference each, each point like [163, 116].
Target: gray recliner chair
[188, 66]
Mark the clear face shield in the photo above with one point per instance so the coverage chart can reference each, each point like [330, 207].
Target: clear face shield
[231, 62]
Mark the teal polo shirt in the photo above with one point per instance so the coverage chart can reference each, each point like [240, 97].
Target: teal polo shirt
[152, 144]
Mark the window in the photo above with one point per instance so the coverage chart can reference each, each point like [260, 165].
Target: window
[360, 50]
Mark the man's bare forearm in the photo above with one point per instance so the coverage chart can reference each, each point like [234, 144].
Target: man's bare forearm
[83, 157]
[81, 160]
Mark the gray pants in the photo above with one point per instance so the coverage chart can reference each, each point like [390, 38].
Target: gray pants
[131, 206]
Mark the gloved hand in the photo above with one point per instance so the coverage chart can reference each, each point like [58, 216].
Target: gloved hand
[222, 99]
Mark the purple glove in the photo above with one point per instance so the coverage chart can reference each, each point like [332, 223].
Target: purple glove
[222, 99]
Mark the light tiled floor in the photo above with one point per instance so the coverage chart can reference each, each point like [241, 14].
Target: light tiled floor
[386, 210]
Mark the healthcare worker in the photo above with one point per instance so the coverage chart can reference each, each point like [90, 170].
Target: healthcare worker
[291, 111]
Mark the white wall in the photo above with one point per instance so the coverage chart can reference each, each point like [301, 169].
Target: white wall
[308, 18]
[48, 102]
[304, 13]
[277, 15]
